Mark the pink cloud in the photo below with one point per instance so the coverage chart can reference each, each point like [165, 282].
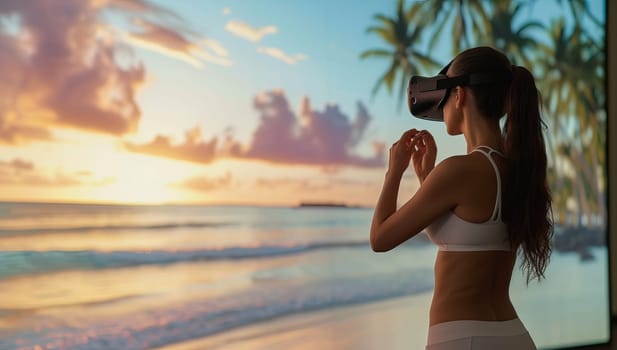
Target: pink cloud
[14, 128]
[141, 6]
[16, 165]
[14, 133]
[61, 64]
[325, 138]
[193, 149]
[63, 72]
[164, 36]
[22, 172]
[178, 43]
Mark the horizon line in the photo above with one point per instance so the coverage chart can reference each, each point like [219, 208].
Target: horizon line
[211, 204]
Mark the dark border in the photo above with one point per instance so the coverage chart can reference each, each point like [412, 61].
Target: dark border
[610, 110]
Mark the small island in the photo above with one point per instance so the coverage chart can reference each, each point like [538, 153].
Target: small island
[322, 205]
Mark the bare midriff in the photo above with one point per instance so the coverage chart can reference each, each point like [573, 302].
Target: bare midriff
[472, 286]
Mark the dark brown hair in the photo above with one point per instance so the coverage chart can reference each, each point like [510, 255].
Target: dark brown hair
[526, 207]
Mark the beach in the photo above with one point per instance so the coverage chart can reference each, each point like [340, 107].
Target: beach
[564, 310]
[391, 324]
[556, 313]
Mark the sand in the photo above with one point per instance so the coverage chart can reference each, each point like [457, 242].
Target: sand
[400, 323]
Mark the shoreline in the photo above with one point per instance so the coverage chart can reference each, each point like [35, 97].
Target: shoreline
[395, 323]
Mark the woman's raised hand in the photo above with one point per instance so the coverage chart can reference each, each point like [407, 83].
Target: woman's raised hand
[423, 153]
[400, 153]
[416, 146]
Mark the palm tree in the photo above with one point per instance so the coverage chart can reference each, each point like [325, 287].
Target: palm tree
[571, 73]
[579, 9]
[501, 32]
[572, 79]
[568, 68]
[460, 16]
[403, 39]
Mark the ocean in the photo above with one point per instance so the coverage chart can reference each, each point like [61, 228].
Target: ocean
[77, 276]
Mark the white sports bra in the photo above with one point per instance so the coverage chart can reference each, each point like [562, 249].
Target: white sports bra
[451, 233]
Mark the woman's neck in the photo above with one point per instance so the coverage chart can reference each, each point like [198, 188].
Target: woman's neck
[483, 134]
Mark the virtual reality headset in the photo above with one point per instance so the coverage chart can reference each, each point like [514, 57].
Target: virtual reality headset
[426, 96]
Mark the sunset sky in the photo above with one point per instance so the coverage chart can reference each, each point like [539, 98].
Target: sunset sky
[234, 102]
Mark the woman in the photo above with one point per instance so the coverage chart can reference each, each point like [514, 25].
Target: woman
[481, 208]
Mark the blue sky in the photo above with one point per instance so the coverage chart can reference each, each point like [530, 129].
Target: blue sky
[332, 35]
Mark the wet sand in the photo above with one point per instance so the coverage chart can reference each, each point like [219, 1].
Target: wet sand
[393, 324]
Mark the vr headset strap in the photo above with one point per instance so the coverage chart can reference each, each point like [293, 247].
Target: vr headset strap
[489, 78]
[471, 80]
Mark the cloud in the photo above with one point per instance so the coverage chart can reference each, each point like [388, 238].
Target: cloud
[205, 183]
[15, 133]
[227, 11]
[174, 43]
[16, 165]
[215, 46]
[248, 32]
[14, 126]
[316, 138]
[280, 55]
[324, 138]
[59, 70]
[140, 7]
[193, 149]
[253, 34]
[311, 184]
[22, 172]
[64, 65]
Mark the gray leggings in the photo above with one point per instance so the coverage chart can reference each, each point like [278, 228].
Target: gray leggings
[479, 335]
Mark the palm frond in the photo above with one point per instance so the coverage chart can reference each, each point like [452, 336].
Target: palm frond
[387, 78]
[385, 33]
[376, 53]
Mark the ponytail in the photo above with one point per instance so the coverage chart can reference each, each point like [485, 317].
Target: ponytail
[527, 200]
[526, 205]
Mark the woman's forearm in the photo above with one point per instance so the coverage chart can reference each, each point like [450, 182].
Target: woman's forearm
[386, 206]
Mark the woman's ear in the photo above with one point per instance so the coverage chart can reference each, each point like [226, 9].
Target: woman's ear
[460, 97]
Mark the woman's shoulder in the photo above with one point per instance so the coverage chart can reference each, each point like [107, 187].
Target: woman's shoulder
[453, 170]
[461, 169]
[458, 164]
